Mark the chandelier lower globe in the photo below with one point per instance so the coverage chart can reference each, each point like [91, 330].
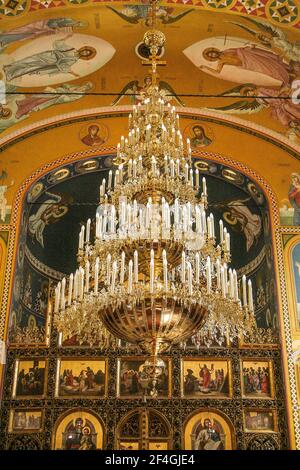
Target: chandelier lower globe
[154, 323]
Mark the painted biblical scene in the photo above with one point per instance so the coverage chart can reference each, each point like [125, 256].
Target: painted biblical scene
[296, 283]
[47, 53]
[197, 341]
[257, 379]
[30, 378]
[81, 378]
[134, 380]
[259, 421]
[44, 61]
[25, 420]
[263, 61]
[20, 106]
[37, 29]
[30, 302]
[206, 377]
[290, 207]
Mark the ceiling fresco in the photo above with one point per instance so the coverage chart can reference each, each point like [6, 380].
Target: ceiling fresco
[61, 201]
[285, 12]
[61, 56]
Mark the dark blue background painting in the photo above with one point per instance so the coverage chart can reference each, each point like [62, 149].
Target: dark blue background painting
[62, 200]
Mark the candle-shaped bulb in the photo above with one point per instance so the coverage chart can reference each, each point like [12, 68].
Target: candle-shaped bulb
[244, 290]
[130, 276]
[204, 186]
[136, 267]
[250, 297]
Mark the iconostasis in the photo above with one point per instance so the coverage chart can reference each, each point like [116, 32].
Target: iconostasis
[71, 71]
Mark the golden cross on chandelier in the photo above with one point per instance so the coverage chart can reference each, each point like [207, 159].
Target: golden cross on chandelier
[154, 40]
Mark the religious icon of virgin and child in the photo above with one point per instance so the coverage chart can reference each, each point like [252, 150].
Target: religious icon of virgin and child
[79, 436]
[59, 59]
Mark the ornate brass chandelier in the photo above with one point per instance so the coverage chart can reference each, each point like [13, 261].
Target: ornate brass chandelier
[154, 272]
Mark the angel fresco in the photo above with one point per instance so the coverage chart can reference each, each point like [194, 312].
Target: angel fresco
[278, 101]
[19, 107]
[135, 13]
[38, 28]
[57, 60]
[136, 91]
[242, 220]
[265, 72]
[272, 37]
[49, 212]
[65, 93]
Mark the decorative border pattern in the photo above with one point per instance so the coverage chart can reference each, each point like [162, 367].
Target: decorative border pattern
[235, 122]
[43, 268]
[253, 264]
[285, 12]
[288, 336]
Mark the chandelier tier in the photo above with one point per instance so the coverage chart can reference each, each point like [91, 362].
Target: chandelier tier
[153, 272]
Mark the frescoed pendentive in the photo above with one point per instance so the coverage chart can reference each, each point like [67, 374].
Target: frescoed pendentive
[264, 66]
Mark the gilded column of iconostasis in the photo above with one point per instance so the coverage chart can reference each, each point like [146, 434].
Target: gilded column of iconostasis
[70, 70]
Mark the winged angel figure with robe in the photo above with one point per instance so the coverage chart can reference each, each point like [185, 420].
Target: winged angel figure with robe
[273, 37]
[135, 13]
[278, 101]
[136, 91]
